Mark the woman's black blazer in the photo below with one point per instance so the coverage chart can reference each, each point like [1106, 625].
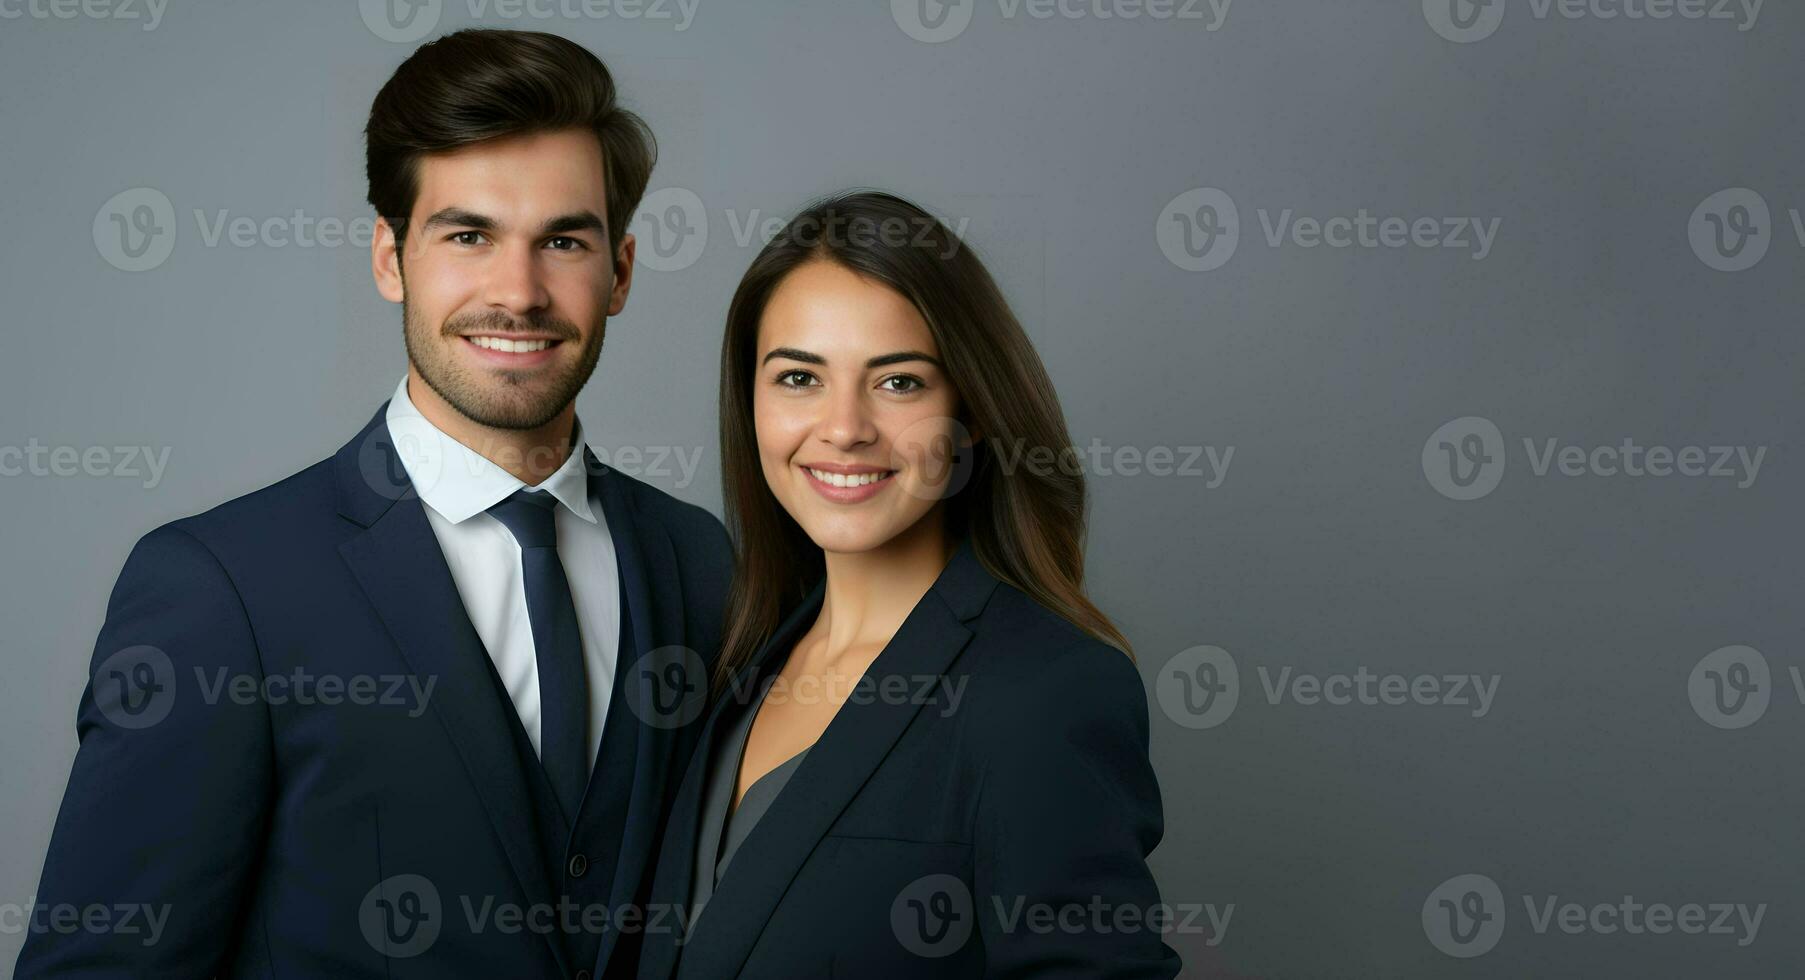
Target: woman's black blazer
[982, 806]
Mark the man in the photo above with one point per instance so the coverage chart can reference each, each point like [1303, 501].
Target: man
[417, 709]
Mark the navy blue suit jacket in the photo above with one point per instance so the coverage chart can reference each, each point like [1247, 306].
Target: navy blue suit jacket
[991, 779]
[262, 822]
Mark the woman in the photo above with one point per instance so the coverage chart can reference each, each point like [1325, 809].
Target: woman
[927, 754]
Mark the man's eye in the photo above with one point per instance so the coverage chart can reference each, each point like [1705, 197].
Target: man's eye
[460, 237]
[573, 243]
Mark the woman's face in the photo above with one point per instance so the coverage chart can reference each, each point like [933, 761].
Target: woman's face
[856, 420]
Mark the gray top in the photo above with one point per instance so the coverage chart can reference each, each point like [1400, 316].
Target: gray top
[722, 832]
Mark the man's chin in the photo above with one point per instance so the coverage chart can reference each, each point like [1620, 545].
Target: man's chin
[500, 402]
[511, 416]
[508, 399]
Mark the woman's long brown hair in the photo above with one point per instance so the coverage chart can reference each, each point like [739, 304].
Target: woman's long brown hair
[1026, 522]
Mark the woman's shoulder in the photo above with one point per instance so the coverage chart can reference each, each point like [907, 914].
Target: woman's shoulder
[1027, 662]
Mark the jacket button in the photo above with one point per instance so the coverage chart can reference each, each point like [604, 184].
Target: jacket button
[579, 865]
[582, 975]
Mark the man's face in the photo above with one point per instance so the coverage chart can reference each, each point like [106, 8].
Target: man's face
[506, 280]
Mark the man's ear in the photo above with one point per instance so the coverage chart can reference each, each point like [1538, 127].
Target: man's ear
[385, 261]
[623, 274]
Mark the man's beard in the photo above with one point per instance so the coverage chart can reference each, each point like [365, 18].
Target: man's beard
[511, 403]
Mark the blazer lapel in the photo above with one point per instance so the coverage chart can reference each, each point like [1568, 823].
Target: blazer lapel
[677, 853]
[648, 568]
[852, 747]
[401, 568]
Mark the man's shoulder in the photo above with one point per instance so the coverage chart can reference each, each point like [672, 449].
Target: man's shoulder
[295, 504]
[310, 499]
[693, 524]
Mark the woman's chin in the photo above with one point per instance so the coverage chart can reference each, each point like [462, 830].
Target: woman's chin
[847, 535]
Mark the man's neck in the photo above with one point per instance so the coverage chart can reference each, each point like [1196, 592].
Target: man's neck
[530, 455]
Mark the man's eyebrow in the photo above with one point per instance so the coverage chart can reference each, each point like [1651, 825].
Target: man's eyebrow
[584, 220]
[456, 217]
[899, 357]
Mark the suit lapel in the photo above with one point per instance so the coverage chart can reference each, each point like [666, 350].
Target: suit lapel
[648, 568]
[847, 753]
[398, 562]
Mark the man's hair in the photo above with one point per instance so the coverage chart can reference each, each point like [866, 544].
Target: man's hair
[479, 84]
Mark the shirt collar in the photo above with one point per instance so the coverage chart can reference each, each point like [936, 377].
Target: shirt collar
[462, 483]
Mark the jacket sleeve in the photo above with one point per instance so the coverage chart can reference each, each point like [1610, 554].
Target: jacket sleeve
[1068, 812]
[162, 823]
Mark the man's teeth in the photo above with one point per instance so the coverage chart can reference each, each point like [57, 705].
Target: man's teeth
[510, 346]
[848, 480]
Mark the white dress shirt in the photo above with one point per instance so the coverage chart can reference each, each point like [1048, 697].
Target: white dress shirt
[458, 485]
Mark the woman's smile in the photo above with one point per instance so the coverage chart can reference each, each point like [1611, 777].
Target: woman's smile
[847, 484]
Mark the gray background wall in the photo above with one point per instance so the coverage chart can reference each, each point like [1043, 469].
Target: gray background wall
[1608, 763]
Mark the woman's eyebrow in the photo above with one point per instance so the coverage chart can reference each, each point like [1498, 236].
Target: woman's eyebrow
[899, 357]
[792, 354]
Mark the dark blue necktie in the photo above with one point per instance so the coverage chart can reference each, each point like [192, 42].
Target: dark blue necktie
[557, 645]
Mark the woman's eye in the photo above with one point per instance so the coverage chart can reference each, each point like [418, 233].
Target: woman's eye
[902, 383]
[795, 379]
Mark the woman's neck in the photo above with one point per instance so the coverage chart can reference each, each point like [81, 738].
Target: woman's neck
[870, 593]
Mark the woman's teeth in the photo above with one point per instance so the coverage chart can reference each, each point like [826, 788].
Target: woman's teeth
[849, 479]
[510, 346]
